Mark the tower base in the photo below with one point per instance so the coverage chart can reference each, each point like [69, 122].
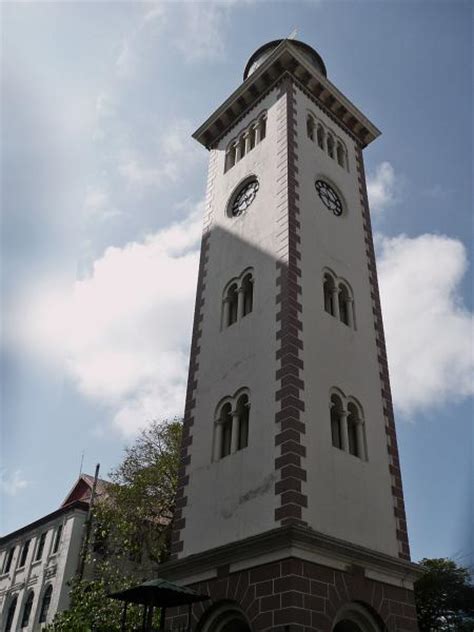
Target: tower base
[293, 579]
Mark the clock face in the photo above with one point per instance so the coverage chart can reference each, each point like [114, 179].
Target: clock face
[329, 197]
[244, 198]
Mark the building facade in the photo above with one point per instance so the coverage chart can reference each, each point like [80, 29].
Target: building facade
[38, 560]
[290, 510]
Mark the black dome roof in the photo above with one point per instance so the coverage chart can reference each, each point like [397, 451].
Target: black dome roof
[267, 49]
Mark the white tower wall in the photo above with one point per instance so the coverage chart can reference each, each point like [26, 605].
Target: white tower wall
[347, 497]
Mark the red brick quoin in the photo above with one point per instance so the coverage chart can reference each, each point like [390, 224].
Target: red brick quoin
[293, 595]
[290, 383]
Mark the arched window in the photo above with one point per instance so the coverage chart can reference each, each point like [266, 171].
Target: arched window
[247, 289]
[263, 126]
[40, 547]
[27, 609]
[231, 302]
[230, 157]
[352, 421]
[252, 137]
[310, 127]
[243, 409]
[329, 290]
[330, 145]
[338, 299]
[232, 425]
[8, 560]
[11, 614]
[320, 136]
[24, 554]
[57, 539]
[336, 421]
[241, 147]
[357, 617]
[356, 431]
[340, 154]
[45, 604]
[344, 305]
[226, 422]
[225, 615]
[238, 299]
[247, 140]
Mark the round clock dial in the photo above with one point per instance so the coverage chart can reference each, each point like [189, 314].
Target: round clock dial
[244, 198]
[329, 197]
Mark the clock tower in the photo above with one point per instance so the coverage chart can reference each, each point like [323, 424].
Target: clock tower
[290, 510]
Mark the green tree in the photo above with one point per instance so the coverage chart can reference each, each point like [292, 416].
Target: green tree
[130, 534]
[444, 597]
[143, 493]
[91, 610]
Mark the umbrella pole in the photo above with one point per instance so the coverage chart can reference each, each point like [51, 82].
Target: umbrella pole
[145, 610]
[189, 616]
[149, 624]
[162, 618]
[124, 617]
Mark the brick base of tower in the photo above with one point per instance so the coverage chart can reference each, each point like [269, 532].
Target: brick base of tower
[291, 593]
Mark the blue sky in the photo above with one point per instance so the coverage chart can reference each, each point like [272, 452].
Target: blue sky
[102, 190]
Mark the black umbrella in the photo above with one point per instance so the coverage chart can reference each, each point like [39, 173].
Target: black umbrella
[157, 593]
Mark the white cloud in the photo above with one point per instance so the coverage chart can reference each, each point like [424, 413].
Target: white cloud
[97, 205]
[381, 188]
[428, 330]
[128, 59]
[13, 484]
[198, 30]
[123, 332]
[202, 33]
[176, 154]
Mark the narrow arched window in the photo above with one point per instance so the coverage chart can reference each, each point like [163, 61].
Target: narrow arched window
[330, 145]
[231, 302]
[352, 432]
[243, 410]
[40, 547]
[45, 604]
[320, 136]
[336, 421]
[247, 289]
[328, 288]
[252, 136]
[27, 609]
[230, 157]
[263, 126]
[340, 154]
[11, 614]
[310, 127]
[241, 147]
[57, 539]
[344, 305]
[24, 554]
[226, 421]
[8, 560]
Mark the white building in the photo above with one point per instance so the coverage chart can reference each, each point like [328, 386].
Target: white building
[38, 560]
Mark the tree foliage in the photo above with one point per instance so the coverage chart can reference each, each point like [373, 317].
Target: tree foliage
[130, 534]
[444, 597]
[140, 507]
[91, 610]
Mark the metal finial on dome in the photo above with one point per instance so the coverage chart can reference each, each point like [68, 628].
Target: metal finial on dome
[293, 34]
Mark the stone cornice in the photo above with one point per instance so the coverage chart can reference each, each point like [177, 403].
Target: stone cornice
[293, 537]
[285, 58]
